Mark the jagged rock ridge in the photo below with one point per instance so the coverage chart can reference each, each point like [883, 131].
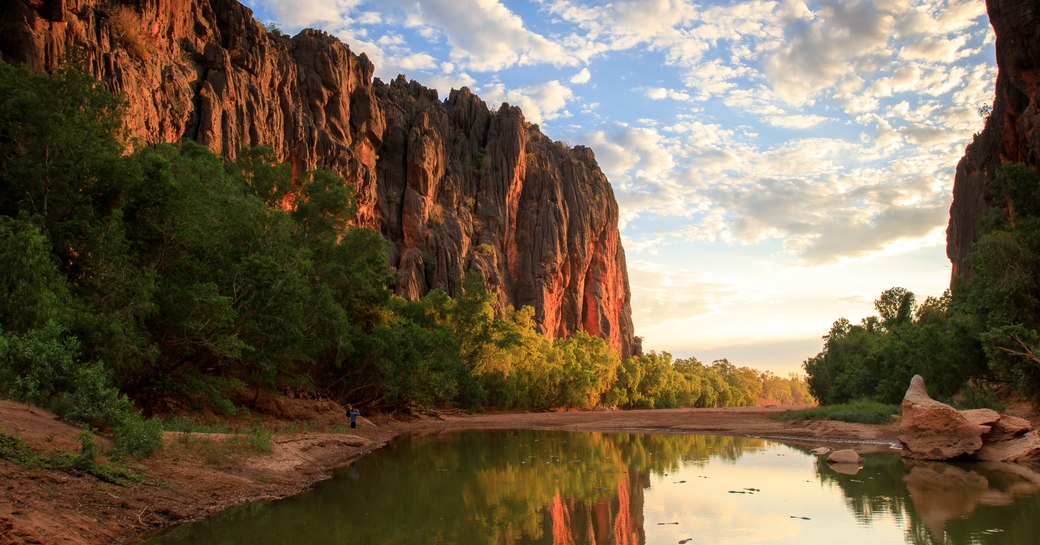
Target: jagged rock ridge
[453, 185]
[1012, 131]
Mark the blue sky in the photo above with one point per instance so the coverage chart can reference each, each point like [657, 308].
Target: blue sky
[777, 164]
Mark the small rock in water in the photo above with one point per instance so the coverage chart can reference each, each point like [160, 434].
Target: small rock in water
[753, 489]
[800, 517]
[820, 451]
[678, 482]
[993, 531]
[687, 540]
[847, 456]
[666, 523]
[737, 492]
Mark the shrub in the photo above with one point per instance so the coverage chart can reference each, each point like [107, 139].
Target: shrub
[88, 446]
[260, 438]
[125, 26]
[93, 400]
[36, 366]
[138, 437]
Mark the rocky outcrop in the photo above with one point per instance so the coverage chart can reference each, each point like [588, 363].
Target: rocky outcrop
[464, 188]
[452, 184]
[1012, 130]
[930, 430]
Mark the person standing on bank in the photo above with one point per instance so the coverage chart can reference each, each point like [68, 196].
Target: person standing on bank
[353, 414]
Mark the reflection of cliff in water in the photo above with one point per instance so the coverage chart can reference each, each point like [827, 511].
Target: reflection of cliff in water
[941, 503]
[479, 488]
[589, 486]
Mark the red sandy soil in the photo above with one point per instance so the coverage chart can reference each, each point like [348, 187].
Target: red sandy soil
[198, 474]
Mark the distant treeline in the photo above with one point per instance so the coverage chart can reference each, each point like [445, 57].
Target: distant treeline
[168, 273]
[985, 329]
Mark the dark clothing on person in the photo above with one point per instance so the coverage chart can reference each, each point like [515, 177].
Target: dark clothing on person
[353, 414]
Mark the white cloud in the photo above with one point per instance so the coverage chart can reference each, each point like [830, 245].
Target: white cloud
[417, 61]
[540, 103]
[636, 151]
[582, 77]
[660, 93]
[842, 36]
[484, 35]
[444, 83]
[795, 121]
[296, 15]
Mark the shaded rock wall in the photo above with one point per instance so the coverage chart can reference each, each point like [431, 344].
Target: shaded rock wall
[1012, 131]
[453, 185]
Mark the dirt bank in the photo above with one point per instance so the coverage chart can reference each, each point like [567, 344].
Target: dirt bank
[198, 474]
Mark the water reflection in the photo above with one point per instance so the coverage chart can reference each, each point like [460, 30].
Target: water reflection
[943, 503]
[527, 487]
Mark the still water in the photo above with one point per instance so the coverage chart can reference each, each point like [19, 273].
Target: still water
[560, 488]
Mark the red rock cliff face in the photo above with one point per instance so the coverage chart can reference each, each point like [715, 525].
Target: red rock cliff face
[453, 185]
[1012, 132]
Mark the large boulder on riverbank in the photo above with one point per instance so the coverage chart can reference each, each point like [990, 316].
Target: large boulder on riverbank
[930, 430]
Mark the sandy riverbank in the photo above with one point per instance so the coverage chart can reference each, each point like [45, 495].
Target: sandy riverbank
[199, 474]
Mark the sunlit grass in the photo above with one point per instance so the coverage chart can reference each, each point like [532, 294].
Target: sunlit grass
[863, 411]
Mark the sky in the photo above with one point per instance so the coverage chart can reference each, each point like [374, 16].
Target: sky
[777, 164]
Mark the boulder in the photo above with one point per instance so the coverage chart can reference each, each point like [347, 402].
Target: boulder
[1008, 427]
[982, 417]
[930, 430]
[845, 456]
[1025, 448]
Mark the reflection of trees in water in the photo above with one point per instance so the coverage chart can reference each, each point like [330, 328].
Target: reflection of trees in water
[538, 487]
[943, 504]
[501, 487]
[585, 488]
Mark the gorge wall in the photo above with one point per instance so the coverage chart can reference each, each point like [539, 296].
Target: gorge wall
[453, 185]
[1012, 131]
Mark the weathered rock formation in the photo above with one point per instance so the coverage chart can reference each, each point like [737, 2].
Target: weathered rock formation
[453, 185]
[930, 430]
[1012, 131]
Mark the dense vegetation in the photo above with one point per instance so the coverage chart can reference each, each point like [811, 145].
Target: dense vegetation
[168, 273]
[986, 329]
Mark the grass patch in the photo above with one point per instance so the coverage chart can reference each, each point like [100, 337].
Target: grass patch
[187, 425]
[260, 439]
[863, 411]
[15, 450]
[19, 452]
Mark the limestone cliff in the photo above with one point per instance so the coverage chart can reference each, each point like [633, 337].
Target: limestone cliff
[1012, 131]
[453, 185]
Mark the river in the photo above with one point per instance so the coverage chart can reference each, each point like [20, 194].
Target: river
[583, 488]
